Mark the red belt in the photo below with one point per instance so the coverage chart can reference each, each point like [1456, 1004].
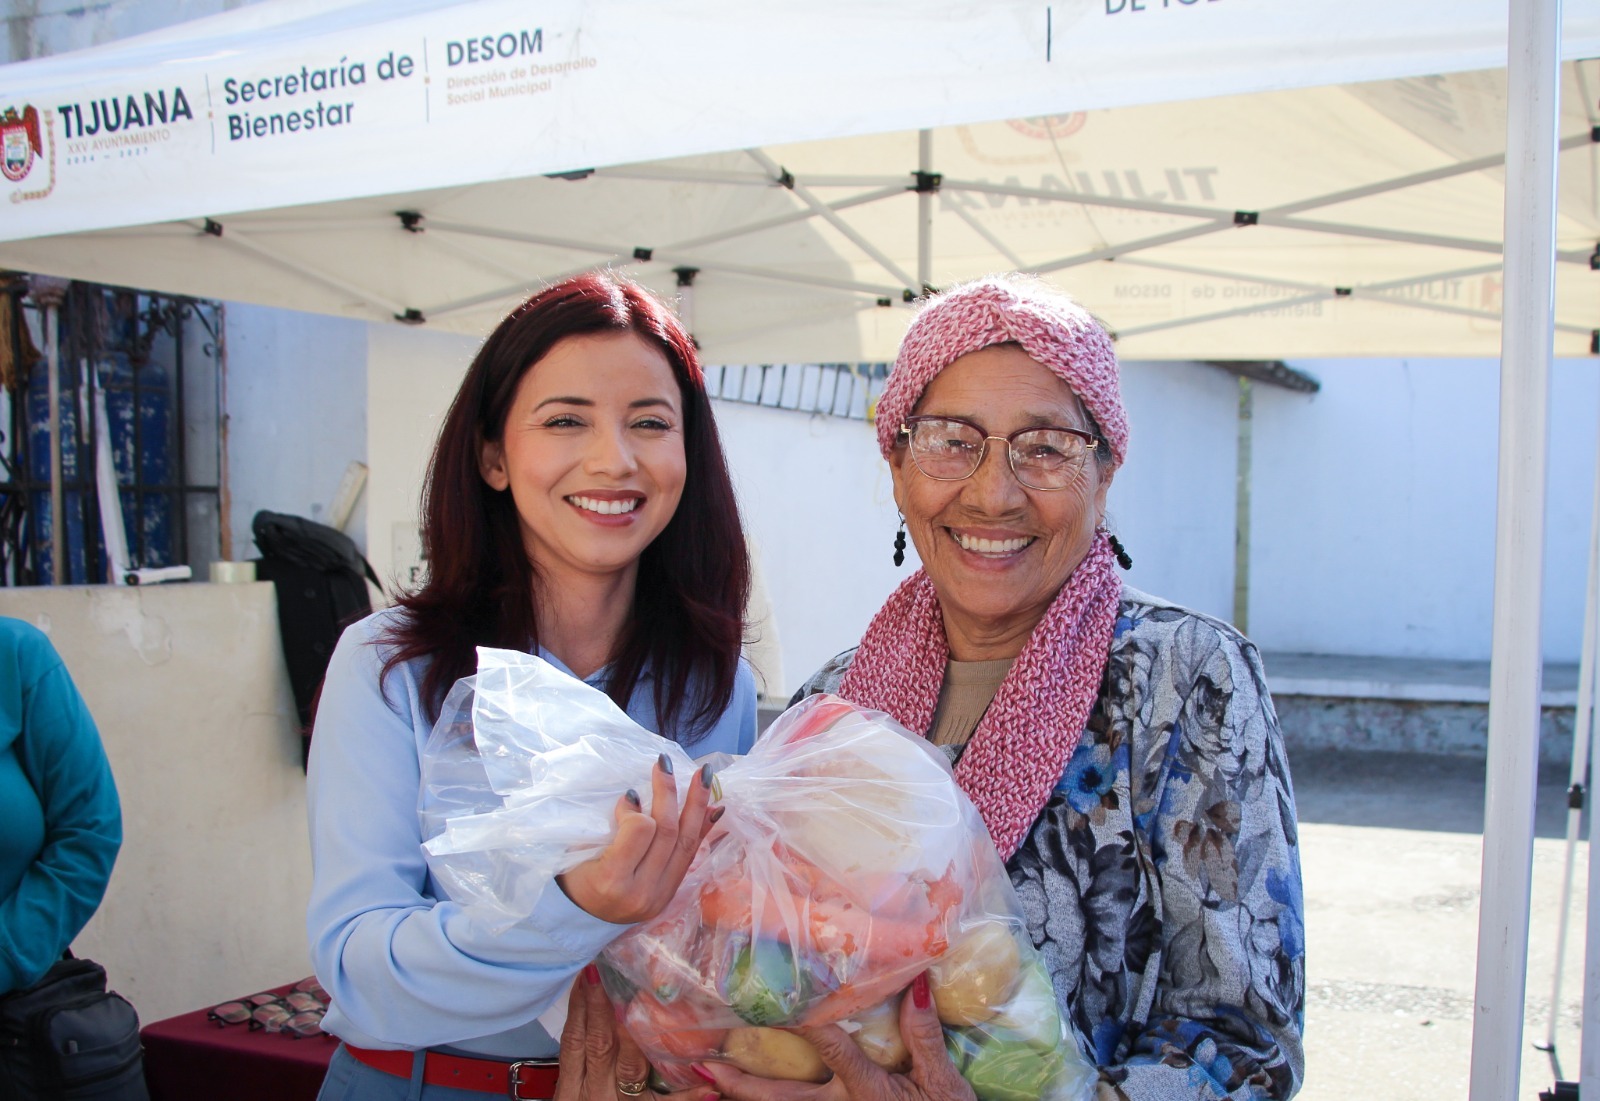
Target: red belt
[522, 1080]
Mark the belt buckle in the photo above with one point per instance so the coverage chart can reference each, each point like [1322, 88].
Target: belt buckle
[514, 1078]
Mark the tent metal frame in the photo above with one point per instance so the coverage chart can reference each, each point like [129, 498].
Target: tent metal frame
[927, 185]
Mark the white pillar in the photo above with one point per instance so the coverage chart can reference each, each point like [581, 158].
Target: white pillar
[924, 214]
[1532, 111]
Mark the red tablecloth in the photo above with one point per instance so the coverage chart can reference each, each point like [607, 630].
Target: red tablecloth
[189, 1058]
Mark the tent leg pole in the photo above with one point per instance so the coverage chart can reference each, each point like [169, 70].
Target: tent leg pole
[1527, 337]
[1583, 745]
[1578, 787]
[924, 213]
[1578, 794]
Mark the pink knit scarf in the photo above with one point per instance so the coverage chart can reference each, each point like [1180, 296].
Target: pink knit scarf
[1023, 743]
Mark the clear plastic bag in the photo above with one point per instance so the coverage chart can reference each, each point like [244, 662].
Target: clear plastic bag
[847, 863]
[520, 780]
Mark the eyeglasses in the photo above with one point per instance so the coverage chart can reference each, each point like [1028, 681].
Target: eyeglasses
[949, 449]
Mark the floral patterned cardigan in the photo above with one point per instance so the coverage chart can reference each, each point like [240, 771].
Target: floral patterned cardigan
[1161, 882]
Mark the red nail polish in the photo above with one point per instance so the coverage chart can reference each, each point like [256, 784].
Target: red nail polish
[711, 1096]
[703, 1073]
[919, 992]
[591, 974]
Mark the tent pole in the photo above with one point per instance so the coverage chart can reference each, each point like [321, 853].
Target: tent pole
[1578, 783]
[1583, 743]
[924, 212]
[1527, 343]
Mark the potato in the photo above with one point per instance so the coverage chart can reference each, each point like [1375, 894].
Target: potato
[879, 1037]
[773, 1053]
[977, 976]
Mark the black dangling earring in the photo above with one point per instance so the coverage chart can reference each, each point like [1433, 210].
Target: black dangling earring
[1120, 551]
[900, 544]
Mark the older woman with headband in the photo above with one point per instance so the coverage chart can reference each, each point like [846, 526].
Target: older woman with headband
[1122, 750]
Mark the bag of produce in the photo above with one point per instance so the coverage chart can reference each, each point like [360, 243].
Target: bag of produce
[847, 863]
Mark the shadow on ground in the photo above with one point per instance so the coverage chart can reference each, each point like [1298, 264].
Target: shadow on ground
[1411, 791]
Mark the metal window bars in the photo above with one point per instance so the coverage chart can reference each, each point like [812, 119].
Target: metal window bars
[151, 367]
[845, 390]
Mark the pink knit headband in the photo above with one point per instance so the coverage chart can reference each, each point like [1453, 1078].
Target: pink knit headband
[1052, 329]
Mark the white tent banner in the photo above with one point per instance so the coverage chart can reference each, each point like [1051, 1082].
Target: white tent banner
[297, 103]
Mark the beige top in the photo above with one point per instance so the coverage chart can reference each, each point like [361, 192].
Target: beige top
[969, 688]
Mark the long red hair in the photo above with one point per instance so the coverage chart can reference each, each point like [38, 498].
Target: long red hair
[687, 621]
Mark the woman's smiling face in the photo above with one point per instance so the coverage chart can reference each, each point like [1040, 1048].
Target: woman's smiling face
[593, 454]
[996, 551]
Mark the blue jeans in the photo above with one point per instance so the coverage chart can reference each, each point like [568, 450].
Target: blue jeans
[349, 1079]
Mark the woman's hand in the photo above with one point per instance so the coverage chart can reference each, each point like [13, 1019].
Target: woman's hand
[639, 872]
[933, 1077]
[599, 1060]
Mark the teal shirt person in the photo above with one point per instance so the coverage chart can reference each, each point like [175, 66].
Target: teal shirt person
[60, 821]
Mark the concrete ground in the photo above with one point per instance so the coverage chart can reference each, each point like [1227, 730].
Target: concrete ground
[1391, 851]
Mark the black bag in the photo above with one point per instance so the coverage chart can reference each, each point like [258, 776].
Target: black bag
[321, 582]
[67, 1038]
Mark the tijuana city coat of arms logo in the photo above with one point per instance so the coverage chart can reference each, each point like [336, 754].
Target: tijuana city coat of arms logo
[19, 142]
[1046, 127]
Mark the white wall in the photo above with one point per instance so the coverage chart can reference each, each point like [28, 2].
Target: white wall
[819, 508]
[411, 376]
[297, 415]
[1374, 509]
[188, 688]
[1172, 503]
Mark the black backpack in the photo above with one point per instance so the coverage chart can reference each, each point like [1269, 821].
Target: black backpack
[67, 1038]
[321, 581]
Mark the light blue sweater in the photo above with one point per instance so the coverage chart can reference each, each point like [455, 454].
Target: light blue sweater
[403, 967]
[60, 821]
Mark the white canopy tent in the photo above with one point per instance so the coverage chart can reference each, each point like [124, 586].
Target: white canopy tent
[1217, 179]
[773, 151]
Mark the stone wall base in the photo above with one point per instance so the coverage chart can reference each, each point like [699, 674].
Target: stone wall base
[1324, 722]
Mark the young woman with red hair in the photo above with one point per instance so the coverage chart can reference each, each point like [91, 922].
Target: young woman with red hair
[577, 506]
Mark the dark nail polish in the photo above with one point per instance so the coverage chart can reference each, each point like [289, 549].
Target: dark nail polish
[705, 776]
[633, 797]
[666, 764]
[716, 814]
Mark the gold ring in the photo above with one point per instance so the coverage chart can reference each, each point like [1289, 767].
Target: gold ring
[632, 1089]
